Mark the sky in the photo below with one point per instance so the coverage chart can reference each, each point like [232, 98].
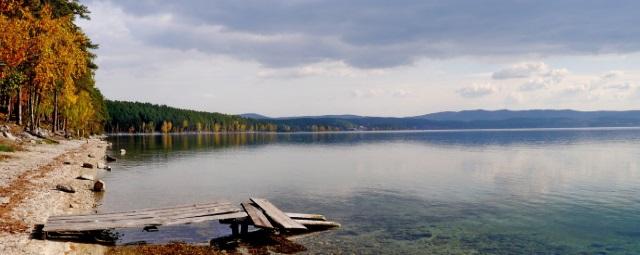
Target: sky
[368, 57]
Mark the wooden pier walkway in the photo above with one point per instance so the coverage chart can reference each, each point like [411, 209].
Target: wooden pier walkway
[258, 212]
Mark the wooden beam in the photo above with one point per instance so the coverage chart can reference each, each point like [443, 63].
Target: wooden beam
[319, 223]
[256, 216]
[305, 216]
[277, 216]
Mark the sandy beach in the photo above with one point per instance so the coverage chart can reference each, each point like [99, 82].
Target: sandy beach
[28, 180]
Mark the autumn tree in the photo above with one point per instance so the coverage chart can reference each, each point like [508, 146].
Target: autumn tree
[45, 59]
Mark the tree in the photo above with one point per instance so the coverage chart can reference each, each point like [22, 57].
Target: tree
[47, 59]
[14, 50]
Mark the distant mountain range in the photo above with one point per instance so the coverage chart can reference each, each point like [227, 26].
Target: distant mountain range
[470, 119]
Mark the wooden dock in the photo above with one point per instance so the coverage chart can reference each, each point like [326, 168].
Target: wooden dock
[259, 213]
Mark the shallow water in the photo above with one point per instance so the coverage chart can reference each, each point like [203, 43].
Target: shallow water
[451, 192]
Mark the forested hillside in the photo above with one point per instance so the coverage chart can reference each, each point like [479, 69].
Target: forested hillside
[136, 117]
[46, 67]
[147, 117]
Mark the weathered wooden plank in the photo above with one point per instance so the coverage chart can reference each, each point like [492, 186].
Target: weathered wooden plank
[165, 215]
[276, 215]
[134, 216]
[305, 216]
[256, 216]
[139, 212]
[235, 215]
[149, 217]
[197, 205]
[319, 223]
[139, 222]
[147, 220]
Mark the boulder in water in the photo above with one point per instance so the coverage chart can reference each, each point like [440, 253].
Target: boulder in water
[109, 158]
[99, 186]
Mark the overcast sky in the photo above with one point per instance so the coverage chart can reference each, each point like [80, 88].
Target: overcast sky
[368, 57]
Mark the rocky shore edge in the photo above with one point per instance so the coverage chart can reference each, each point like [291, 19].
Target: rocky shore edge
[31, 182]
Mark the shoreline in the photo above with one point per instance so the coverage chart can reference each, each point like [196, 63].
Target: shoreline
[384, 131]
[28, 179]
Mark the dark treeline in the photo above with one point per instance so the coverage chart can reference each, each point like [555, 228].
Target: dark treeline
[133, 117]
[136, 117]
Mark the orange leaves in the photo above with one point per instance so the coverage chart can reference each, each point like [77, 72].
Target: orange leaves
[41, 42]
[14, 41]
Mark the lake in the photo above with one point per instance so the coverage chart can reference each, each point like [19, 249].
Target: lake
[565, 191]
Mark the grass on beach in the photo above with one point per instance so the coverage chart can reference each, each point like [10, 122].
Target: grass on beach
[9, 147]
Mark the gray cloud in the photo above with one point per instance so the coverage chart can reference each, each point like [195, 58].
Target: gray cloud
[522, 70]
[476, 90]
[376, 33]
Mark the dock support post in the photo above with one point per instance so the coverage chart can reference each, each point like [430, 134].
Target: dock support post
[244, 228]
[234, 228]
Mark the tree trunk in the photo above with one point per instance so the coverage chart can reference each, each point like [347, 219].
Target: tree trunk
[31, 110]
[55, 111]
[20, 106]
[9, 109]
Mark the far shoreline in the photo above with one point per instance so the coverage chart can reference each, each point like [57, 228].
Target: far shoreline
[384, 131]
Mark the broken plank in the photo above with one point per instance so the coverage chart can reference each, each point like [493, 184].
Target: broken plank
[256, 216]
[319, 223]
[276, 215]
[305, 216]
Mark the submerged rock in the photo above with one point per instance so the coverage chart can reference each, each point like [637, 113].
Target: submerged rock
[65, 188]
[109, 158]
[99, 186]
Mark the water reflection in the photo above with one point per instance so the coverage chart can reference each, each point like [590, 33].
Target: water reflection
[492, 192]
[204, 141]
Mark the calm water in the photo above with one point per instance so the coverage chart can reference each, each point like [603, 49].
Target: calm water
[485, 192]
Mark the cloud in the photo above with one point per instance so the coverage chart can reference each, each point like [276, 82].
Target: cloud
[620, 86]
[327, 69]
[380, 34]
[477, 90]
[544, 80]
[612, 75]
[535, 84]
[540, 75]
[380, 92]
[521, 70]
